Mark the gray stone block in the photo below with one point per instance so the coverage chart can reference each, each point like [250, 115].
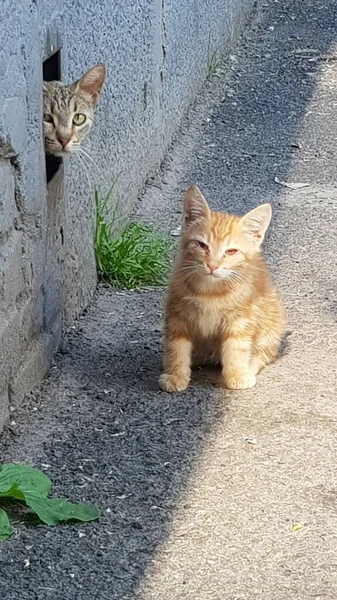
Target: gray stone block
[33, 369]
[8, 210]
[15, 111]
[4, 406]
[12, 282]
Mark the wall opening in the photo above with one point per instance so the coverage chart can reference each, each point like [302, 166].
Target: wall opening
[52, 72]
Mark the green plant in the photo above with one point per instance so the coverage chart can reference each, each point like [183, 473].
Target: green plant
[31, 486]
[131, 256]
[214, 60]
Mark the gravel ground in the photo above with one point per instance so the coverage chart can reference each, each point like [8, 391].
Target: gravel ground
[210, 494]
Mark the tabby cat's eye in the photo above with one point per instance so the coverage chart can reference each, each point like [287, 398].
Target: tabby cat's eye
[231, 251]
[201, 244]
[79, 119]
[48, 119]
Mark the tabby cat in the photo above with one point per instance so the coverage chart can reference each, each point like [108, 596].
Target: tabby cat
[68, 111]
[222, 306]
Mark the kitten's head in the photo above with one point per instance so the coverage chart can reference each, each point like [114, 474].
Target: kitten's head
[68, 111]
[215, 246]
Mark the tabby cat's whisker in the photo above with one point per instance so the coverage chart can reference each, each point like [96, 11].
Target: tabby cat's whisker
[191, 266]
[83, 152]
[85, 168]
[192, 269]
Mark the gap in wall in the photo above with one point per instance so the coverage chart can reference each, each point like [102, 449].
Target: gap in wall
[52, 72]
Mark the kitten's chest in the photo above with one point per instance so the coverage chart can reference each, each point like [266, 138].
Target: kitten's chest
[207, 318]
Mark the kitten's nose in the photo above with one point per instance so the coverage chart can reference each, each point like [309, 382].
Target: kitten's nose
[211, 268]
[64, 141]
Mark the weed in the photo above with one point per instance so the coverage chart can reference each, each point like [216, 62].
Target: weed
[132, 255]
[214, 60]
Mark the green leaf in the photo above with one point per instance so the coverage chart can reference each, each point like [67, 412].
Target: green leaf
[16, 480]
[5, 527]
[32, 486]
[54, 511]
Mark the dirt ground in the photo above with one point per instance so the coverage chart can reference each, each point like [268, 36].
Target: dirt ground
[208, 494]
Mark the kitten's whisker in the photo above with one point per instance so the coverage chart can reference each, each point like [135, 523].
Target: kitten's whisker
[234, 279]
[256, 268]
[237, 280]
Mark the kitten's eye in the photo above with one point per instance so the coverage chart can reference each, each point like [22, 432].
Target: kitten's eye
[79, 119]
[48, 119]
[231, 251]
[201, 244]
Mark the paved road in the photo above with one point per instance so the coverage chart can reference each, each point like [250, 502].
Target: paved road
[207, 495]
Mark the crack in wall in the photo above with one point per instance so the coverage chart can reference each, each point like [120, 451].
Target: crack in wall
[163, 55]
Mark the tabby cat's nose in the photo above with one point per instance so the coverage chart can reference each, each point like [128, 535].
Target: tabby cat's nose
[211, 268]
[64, 141]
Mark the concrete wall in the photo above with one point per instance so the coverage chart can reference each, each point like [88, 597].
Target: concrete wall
[156, 56]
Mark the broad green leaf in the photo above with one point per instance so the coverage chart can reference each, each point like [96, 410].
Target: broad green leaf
[5, 527]
[16, 480]
[53, 510]
[13, 492]
[32, 486]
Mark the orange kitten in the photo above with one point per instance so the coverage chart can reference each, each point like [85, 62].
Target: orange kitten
[222, 305]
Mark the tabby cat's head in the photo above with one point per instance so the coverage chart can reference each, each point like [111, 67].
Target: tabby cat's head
[68, 111]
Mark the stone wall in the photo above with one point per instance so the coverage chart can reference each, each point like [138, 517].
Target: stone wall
[156, 55]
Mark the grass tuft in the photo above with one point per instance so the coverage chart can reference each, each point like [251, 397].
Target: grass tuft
[214, 60]
[131, 256]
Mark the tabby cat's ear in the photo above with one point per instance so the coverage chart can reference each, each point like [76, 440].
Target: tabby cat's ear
[195, 206]
[256, 222]
[91, 82]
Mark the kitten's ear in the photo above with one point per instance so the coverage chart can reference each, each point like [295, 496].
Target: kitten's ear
[91, 82]
[256, 222]
[195, 206]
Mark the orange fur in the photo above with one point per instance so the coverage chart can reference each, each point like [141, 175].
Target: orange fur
[222, 305]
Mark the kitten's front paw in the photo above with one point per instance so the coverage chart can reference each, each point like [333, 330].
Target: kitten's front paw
[240, 381]
[173, 383]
